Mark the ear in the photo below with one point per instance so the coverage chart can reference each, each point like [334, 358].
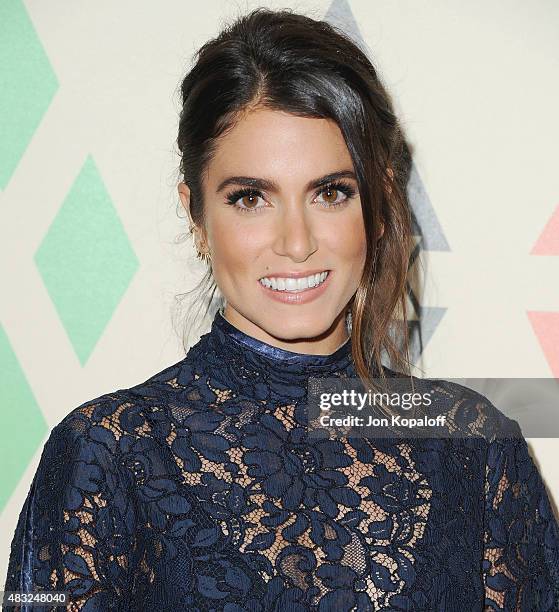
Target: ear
[381, 232]
[184, 195]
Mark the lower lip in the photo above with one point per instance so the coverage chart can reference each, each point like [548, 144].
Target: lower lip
[297, 297]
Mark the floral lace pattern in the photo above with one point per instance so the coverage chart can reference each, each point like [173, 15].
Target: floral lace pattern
[200, 490]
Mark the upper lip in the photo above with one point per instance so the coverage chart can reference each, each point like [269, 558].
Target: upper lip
[295, 274]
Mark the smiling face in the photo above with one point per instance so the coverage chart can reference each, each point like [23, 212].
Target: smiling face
[281, 199]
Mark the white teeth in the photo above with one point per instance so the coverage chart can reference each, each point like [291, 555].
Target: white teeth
[294, 284]
[291, 284]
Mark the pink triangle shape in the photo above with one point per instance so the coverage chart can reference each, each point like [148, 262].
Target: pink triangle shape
[546, 328]
[548, 242]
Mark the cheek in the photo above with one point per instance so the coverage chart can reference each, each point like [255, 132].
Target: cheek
[349, 240]
[234, 249]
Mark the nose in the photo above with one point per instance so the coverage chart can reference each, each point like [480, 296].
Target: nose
[294, 234]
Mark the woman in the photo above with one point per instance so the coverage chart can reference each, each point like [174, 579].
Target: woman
[202, 488]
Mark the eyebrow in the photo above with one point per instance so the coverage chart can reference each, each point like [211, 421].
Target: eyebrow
[267, 185]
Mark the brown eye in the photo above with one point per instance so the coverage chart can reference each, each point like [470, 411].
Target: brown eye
[246, 200]
[330, 195]
[249, 200]
[334, 195]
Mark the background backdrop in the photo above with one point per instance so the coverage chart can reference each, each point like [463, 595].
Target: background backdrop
[91, 239]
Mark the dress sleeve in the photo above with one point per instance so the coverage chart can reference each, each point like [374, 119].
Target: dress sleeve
[75, 531]
[521, 539]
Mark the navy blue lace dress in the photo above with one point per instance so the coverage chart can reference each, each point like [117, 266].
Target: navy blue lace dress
[200, 490]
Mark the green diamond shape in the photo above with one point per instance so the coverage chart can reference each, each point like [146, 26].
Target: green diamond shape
[27, 83]
[86, 260]
[21, 421]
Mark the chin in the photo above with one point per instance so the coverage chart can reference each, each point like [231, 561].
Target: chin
[293, 327]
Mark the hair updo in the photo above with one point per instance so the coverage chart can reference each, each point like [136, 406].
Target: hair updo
[290, 62]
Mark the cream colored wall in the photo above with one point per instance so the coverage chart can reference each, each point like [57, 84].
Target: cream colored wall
[475, 86]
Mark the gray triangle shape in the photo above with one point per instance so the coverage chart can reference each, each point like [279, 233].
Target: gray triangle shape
[429, 227]
[430, 317]
[340, 15]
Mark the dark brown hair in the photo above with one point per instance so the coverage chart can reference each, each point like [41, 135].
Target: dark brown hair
[290, 62]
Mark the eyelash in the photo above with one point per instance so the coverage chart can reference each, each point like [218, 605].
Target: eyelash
[233, 197]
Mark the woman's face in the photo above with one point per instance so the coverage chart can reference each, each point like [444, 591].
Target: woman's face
[281, 199]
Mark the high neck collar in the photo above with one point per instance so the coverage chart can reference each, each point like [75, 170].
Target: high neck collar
[231, 338]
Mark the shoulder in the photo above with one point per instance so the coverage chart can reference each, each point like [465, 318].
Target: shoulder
[127, 413]
[123, 411]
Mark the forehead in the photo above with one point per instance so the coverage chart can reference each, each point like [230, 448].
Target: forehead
[270, 143]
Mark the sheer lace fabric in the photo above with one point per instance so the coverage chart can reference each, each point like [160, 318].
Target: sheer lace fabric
[201, 490]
